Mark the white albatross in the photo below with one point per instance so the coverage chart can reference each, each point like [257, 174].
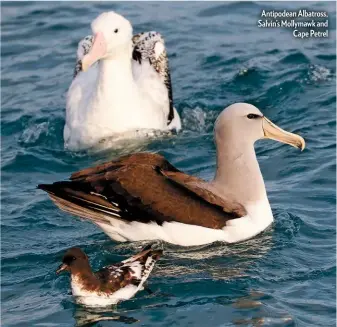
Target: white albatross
[143, 197]
[121, 84]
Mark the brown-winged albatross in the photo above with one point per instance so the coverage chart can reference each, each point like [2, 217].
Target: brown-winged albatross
[143, 197]
[111, 284]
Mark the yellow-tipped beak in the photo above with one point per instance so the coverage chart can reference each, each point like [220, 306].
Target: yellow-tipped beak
[271, 131]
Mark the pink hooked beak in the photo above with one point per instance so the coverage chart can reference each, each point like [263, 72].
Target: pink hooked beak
[97, 51]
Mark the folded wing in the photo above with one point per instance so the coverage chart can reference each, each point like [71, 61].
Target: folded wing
[150, 52]
[133, 271]
[142, 187]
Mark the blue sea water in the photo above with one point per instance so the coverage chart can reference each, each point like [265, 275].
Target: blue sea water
[218, 56]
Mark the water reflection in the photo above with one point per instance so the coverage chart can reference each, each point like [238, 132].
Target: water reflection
[217, 260]
[222, 263]
[129, 142]
[264, 321]
[86, 317]
[253, 302]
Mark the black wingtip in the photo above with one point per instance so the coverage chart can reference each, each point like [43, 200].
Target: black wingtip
[147, 247]
[150, 246]
[46, 187]
[149, 251]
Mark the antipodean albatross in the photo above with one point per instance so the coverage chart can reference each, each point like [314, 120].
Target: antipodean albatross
[143, 197]
[121, 86]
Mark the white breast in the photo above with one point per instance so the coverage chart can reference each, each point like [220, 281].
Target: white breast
[95, 299]
[125, 103]
[258, 219]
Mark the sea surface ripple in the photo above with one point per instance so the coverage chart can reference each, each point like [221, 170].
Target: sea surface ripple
[218, 56]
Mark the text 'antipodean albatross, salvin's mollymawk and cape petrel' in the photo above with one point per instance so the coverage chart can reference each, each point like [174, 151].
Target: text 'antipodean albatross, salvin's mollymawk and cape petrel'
[121, 84]
[143, 197]
[111, 284]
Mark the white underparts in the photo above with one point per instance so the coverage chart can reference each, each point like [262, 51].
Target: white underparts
[94, 299]
[258, 219]
[115, 96]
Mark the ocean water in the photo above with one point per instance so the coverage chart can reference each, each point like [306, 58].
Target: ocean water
[284, 277]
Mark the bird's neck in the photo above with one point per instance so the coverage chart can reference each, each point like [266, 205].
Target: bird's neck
[238, 173]
[83, 278]
[115, 81]
[81, 269]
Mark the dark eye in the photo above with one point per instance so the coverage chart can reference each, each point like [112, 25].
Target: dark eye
[116, 30]
[253, 116]
[68, 259]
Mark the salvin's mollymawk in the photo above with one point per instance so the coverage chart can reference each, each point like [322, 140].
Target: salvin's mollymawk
[111, 284]
[143, 197]
[121, 84]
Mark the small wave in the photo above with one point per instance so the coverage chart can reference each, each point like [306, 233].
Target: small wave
[327, 57]
[223, 9]
[129, 142]
[194, 119]
[43, 132]
[33, 133]
[318, 73]
[265, 321]
[287, 224]
[198, 119]
[294, 58]
[303, 274]
[251, 76]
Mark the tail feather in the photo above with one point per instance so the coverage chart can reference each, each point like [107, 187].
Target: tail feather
[142, 256]
[150, 257]
[144, 262]
[149, 264]
[90, 205]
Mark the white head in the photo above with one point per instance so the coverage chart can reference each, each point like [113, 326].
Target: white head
[246, 124]
[112, 36]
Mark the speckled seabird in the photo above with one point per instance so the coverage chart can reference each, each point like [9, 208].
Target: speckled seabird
[110, 284]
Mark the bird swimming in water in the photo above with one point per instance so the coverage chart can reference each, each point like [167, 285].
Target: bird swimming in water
[111, 284]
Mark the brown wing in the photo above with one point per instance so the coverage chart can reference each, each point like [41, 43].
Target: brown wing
[203, 189]
[113, 278]
[141, 158]
[142, 187]
[134, 270]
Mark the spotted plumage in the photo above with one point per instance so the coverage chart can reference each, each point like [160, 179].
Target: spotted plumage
[111, 284]
[148, 46]
[83, 48]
